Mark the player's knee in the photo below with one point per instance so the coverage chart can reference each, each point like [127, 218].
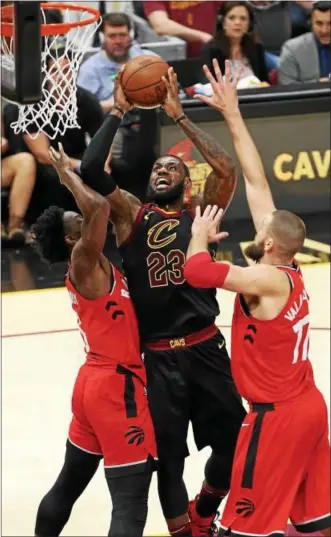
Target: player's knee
[128, 521]
[129, 497]
[129, 516]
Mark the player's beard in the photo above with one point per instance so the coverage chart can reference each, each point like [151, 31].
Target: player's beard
[254, 251]
[167, 197]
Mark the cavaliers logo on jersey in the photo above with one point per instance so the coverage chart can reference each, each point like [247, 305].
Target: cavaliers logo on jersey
[157, 236]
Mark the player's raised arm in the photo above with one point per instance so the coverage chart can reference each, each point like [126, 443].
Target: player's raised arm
[201, 271]
[221, 182]
[95, 211]
[124, 207]
[225, 100]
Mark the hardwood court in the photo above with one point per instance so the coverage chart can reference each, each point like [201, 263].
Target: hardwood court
[41, 354]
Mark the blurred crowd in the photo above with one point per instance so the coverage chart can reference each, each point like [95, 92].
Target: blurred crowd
[275, 43]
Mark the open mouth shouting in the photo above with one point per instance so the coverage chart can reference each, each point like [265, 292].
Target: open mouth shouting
[162, 183]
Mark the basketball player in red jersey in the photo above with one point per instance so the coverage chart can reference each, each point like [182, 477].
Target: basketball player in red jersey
[111, 417]
[187, 364]
[282, 462]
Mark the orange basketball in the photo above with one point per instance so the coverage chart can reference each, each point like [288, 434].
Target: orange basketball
[142, 81]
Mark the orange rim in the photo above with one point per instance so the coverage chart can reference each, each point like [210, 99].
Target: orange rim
[7, 28]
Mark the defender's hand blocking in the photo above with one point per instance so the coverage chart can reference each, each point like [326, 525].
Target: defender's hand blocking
[224, 98]
[60, 161]
[207, 225]
[172, 104]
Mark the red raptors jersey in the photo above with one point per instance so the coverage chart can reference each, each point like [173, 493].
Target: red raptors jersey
[108, 324]
[269, 359]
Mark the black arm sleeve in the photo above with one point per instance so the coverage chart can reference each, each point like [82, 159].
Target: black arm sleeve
[95, 156]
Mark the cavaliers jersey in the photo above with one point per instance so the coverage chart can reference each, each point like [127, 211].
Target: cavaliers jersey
[153, 261]
[108, 324]
[270, 359]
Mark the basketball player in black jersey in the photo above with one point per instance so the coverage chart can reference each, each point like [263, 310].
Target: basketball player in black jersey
[188, 367]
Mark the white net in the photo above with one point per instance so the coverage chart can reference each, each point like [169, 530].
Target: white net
[61, 56]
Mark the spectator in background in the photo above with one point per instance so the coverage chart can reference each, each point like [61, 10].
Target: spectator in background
[274, 27]
[307, 58]
[235, 40]
[193, 22]
[91, 38]
[97, 73]
[18, 172]
[89, 116]
[300, 13]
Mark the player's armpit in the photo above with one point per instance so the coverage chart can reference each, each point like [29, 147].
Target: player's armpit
[124, 208]
[219, 189]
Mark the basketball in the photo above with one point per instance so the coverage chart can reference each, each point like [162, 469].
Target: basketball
[142, 81]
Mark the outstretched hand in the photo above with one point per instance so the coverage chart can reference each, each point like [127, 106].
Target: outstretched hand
[224, 98]
[207, 224]
[60, 161]
[172, 104]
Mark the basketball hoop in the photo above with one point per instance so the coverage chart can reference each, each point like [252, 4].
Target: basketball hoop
[64, 45]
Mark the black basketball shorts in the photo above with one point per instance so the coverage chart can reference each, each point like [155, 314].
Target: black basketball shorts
[193, 384]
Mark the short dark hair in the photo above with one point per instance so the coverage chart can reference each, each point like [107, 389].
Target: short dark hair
[116, 19]
[49, 236]
[321, 6]
[249, 40]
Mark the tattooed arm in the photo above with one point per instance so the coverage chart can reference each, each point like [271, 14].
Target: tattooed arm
[221, 182]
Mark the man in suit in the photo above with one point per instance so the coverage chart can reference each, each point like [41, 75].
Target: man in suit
[307, 58]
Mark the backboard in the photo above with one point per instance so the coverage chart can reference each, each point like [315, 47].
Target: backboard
[21, 42]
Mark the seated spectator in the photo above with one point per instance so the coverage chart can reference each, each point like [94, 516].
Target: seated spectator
[91, 38]
[235, 40]
[274, 27]
[74, 140]
[307, 58]
[193, 22]
[97, 73]
[18, 173]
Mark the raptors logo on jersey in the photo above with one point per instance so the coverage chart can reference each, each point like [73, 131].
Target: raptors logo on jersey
[270, 358]
[108, 324]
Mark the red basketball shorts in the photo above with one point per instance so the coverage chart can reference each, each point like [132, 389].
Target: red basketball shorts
[111, 418]
[281, 470]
